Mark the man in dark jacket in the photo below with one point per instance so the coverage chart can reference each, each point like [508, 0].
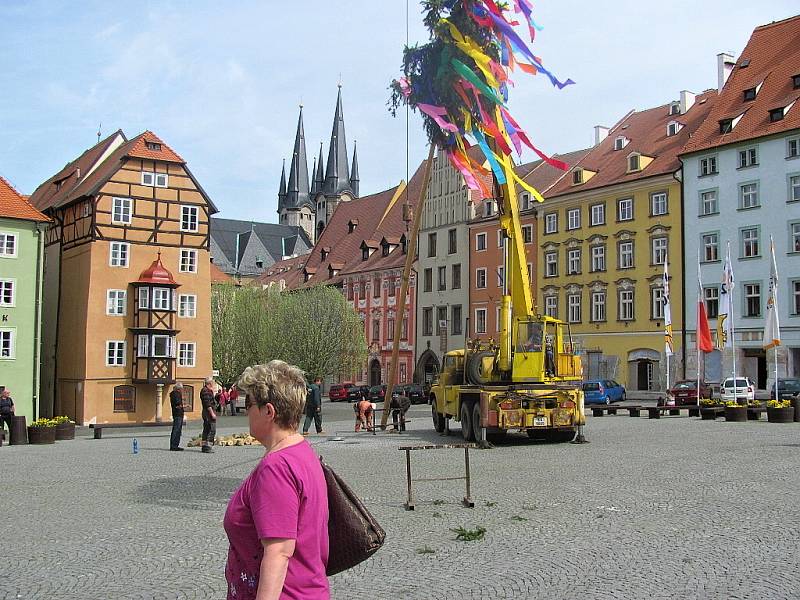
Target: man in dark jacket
[209, 415]
[314, 406]
[400, 404]
[6, 410]
[176, 402]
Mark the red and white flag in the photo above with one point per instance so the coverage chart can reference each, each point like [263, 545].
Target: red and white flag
[704, 342]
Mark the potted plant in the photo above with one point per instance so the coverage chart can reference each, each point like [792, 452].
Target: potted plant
[754, 415]
[65, 429]
[708, 409]
[42, 431]
[735, 411]
[780, 411]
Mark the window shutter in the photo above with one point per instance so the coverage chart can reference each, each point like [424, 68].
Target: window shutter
[174, 300]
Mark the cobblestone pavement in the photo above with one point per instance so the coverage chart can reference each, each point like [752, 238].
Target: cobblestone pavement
[668, 509]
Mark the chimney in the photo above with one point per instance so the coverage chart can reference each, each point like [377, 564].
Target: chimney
[687, 101]
[600, 133]
[725, 64]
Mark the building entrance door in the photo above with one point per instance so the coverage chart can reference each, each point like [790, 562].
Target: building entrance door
[374, 372]
[644, 371]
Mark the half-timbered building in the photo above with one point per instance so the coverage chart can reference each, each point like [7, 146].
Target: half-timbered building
[127, 282]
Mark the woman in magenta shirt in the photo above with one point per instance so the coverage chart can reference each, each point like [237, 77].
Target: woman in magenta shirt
[277, 521]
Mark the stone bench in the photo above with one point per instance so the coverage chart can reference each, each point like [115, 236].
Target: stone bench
[655, 412]
[98, 427]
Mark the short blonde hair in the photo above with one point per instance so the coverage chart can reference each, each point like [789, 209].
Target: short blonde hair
[280, 384]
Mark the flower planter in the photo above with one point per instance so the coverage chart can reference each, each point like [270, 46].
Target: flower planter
[736, 413]
[796, 405]
[65, 431]
[41, 435]
[780, 415]
[753, 415]
[708, 413]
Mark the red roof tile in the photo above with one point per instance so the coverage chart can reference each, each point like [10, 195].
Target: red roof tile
[290, 270]
[149, 146]
[773, 53]
[220, 276]
[14, 205]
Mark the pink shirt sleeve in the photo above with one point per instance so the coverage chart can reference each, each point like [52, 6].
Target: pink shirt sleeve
[275, 502]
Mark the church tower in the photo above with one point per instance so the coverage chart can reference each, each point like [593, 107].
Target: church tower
[295, 205]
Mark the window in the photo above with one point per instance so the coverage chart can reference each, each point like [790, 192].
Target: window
[675, 108]
[530, 272]
[574, 261]
[673, 128]
[455, 272]
[119, 254]
[404, 329]
[187, 305]
[711, 298]
[480, 278]
[392, 287]
[480, 320]
[452, 242]
[598, 214]
[794, 188]
[115, 353]
[573, 218]
[480, 242]
[376, 329]
[775, 115]
[527, 234]
[796, 81]
[658, 204]
[155, 146]
[441, 319]
[442, 278]
[710, 247]
[574, 308]
[708, 166]
[659, 255]
[8, 348]
[148, 178]
[116, 303]
[427, 283]
[794, 232]
[162, 346]
[752, 299]
[500, 276]
[186, 354]
[620, 142]
[551, 223]
[456, 319]
[598, 307]
[161, 180]
[120, 210]
[144, 298]
[431, 244]
[551, 306]
[657, 303]
[598, 258]
[725, 126]
[8, 245]
[189, 218]
[796, 294]
[750, 242]
[625, 209]
[625, 255]
[7, 296]
[550, 264]
[188, 262]
[633, 162]
[161, 298]
[709, 203]
[793, 147]
[748, 195]
[748, 157]
[625, 305]
[142, 346]
[577, 176]
[427, 321]
[376, 287]
[488, 208]
[749, 94]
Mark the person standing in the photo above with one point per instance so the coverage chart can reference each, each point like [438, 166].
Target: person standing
[178, 407]
[6, 411]
[209, 415]
[277, 521]
[314, 407]
[224, 397]
[233, 396]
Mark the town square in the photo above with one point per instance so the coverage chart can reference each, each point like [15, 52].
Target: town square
[416, 299]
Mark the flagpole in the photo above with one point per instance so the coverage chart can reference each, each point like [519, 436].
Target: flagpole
[774, 294]
[732, 326]
[697, 323]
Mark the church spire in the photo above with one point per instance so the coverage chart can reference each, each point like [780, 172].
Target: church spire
[319, 176]
[354, 171]
[297, 193]
[314, 189]
[337, 178]
[282, 188]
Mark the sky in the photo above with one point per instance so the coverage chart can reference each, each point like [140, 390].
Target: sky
[221, 82]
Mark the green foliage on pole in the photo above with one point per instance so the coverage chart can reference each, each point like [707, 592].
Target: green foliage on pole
[314, 329]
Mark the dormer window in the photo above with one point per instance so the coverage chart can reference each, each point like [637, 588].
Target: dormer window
[620, 142]
[364, 253]
[796, 81]
[324, 252]
[154, 146]
[725, 125]
[404, 244]
[675, 108]
[488, 208]
[577, 177]
[385, 249]
[634, 163]
[351, 225]
[776, 114]
[525, 202]
[750, 94]
[673, 128]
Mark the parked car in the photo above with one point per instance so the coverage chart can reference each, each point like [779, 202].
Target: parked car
[337, 392]
[685, 391]
[357, 392]
[415, 393]
[602, 391]
[787, 388]
[744, 389]
[378, 392]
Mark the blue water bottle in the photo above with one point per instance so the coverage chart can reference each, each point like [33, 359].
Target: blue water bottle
[135, 446]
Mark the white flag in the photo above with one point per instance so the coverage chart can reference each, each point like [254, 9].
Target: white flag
[668, 341]
[725, 317]
[772, 330]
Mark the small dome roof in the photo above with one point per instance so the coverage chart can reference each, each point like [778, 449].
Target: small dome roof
[157, 274]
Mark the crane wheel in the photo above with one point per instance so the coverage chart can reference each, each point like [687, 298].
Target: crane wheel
[438, 418]
[475, 372]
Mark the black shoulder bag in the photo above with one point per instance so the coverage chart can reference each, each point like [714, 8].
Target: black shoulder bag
[353, 533]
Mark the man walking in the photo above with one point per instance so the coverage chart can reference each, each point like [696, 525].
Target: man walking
[314, 407]
[209, 415]
[6, 411]
[176, 401]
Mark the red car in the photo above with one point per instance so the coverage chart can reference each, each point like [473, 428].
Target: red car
[338, 392]
[685, 391]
